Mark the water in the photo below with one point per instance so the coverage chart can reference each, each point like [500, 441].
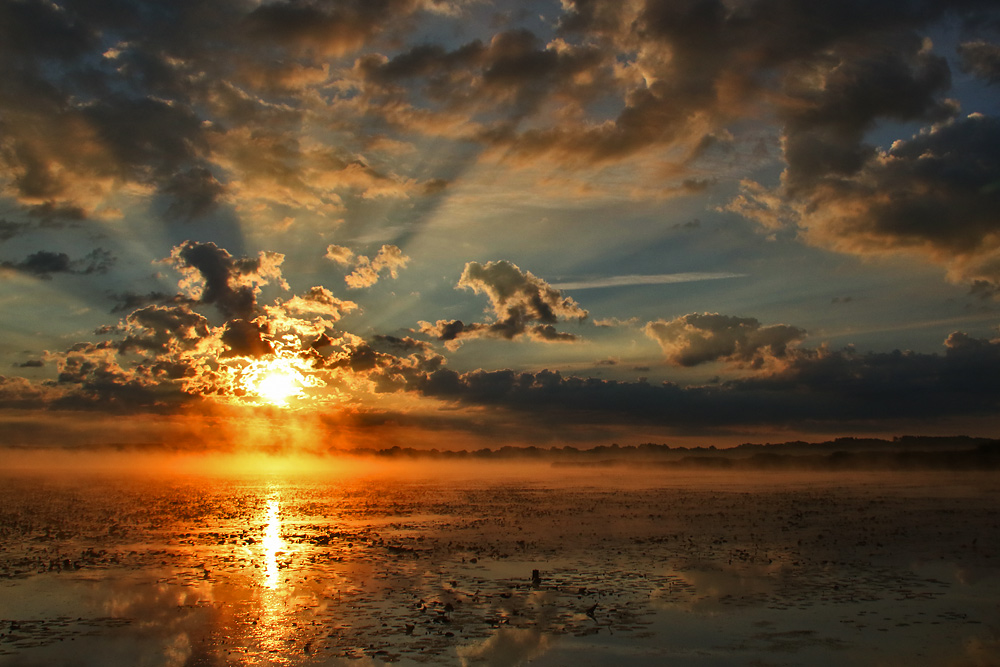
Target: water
[435, 566]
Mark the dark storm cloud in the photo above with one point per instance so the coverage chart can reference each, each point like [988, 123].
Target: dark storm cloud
[696, 339]
[820, 387]
[44, 263]
[205, 102]
[31, 30]
[74, 124]
[898, 384]
[936, 193]
[68, 155]
[323, 28]
[522, 305]
[826, 124]
[695, 66]
[20, 393]
[98, 98]
[514, 70]
[146, 133]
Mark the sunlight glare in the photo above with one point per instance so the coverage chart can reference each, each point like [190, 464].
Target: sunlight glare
[272, 544]
[275, 381]
[277, 387]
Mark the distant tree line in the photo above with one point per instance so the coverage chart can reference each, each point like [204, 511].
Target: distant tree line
[902, 452]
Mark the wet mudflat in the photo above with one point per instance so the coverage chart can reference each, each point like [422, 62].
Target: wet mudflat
[500, 567]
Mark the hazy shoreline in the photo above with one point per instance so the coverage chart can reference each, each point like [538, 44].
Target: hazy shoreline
[921, 453]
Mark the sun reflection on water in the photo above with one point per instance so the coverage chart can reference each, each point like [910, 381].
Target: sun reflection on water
[272, 544]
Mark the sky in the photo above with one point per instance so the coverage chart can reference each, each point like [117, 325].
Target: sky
[464, 224]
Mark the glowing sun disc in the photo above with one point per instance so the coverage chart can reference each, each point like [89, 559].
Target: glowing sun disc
[277, 386]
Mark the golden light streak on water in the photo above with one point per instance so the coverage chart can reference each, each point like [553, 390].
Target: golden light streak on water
[272, 544]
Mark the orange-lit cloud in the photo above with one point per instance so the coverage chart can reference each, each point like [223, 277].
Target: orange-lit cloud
[695, 339]
[389, 259]
[522, 305]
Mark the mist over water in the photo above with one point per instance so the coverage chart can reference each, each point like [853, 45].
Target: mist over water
[214, 560]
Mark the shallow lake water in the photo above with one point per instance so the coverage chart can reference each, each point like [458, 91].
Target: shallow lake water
[499, 566]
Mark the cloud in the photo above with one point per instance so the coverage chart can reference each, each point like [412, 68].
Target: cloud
[95, 373]
[933, 194]
[936, 194]
[314, 29]
[340, 254]
[830, 109]
[269, 108]
[273, 164]
[320, 301]
[193, 193]
[79, 126]
[389, 259]
[654, 279]
[898, 384]
[693, 68]
[813, 388]
[508, 646]
[982, 59]
[515, 71]
[522, 305]
[9, 230]
[213, 276]
[616, 322]
[129, 301]
[21, 393]
[202, 104]
[696, 339]
[165, 352]
[230, 104]
[163, 329]
[44, 263]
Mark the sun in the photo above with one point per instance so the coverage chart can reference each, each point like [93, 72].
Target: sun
[275, 381]
[277, 387]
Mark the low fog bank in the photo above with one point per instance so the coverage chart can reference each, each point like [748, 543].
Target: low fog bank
[900, 453]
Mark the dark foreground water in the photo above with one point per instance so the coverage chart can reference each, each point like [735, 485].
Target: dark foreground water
[436, 567]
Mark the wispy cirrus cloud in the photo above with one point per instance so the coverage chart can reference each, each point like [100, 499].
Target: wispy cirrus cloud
[649, 279]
